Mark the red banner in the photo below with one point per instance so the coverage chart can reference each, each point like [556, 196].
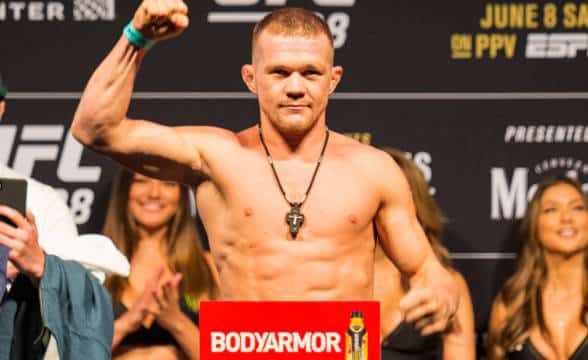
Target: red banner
[313, 330]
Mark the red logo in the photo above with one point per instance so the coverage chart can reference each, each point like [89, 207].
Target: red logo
[313, 330]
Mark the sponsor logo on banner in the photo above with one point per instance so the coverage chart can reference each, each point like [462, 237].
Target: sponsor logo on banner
[251, 11]
[289, 330]
[512, 188]
[552, 30]
[423, 160]
[560, 134]
[93, 10]
[50, 11]
[38, 144]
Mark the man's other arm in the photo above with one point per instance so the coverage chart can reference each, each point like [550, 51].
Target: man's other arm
[433, 296]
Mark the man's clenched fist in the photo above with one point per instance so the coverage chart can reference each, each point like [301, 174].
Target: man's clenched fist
[161, 19]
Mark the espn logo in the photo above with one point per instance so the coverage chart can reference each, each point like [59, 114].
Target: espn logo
[94, 10]
[556, 45]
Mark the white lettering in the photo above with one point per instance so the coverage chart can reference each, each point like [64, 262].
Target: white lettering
[271, 344]
[36, 11]
[233, 342]
[17, 8]
[247, 342]
[55, 11]
[32, 11]
[556, 45]
[278, 342]
[69, 169]
[505, 199]
[7, 135]
[338, 23]
[423, 162]
[81, 205]
[548, 134]
[261, 338]
[509, 133]
[302, 343]
[333, 341]
[318, 342]
[217, 341]
[286, 341]
[28, 155]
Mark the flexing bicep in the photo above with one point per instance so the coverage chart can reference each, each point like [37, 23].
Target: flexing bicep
[400, 234]
[169, 153]
[460, 341]
[100, 122]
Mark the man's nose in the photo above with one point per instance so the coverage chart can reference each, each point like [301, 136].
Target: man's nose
[295, 86]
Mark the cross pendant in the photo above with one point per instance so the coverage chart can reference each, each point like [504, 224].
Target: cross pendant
[295, 219]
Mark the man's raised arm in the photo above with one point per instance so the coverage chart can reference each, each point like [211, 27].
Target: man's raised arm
[100, 121]
[434, 295]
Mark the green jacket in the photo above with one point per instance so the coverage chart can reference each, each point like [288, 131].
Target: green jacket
[70, 304]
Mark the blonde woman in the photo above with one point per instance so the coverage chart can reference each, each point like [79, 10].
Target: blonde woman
[156, 307]
[402, 339]
[542, 310]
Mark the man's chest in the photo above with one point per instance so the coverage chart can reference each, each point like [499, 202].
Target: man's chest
[334, 199]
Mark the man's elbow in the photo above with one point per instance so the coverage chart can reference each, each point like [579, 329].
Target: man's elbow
[91, 133]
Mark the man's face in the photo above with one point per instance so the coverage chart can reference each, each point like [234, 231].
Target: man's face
[2, 107]
[292, 77]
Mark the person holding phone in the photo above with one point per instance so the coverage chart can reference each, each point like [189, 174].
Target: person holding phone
[33, 323]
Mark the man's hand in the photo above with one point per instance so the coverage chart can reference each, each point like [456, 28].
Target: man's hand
[161, 19]
[431, 307]
[25, 252]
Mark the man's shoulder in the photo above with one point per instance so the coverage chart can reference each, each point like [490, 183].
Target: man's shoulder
[209, 131]
[352, 149]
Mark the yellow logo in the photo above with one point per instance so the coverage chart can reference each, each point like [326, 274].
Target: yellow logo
[356, 338]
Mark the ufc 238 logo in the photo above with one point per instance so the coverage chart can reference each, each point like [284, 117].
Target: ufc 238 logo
[556, 45]
[338, 22]
[38, 143]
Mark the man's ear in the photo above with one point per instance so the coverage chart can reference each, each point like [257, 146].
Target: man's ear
[336, 74]
[248, 76]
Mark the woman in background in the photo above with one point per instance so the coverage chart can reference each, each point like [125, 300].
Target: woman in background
[542, 310]
[402, 340]
[156, 307]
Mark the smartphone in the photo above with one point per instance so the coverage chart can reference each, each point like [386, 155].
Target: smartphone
[13, 193]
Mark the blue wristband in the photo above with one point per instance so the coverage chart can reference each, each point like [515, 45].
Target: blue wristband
[136, 38]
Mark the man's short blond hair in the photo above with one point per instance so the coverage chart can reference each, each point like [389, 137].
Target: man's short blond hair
[291, 22]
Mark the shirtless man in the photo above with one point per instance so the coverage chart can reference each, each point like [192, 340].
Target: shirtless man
[259, 255]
